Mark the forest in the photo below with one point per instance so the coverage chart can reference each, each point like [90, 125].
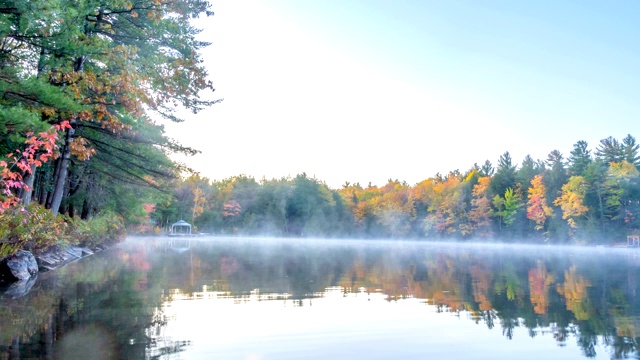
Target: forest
[84, 86]
[590, 197]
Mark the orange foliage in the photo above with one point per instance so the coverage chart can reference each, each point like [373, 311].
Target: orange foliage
[481, 277]
[538, 210]
[539, 283]
[480, 213]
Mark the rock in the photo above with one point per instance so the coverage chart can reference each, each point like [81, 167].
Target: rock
[65, 256]
[57, 257]
[20, 288]
[45, 267]
[20, 266]
[75, 251]
[98, 248]
[47, 259]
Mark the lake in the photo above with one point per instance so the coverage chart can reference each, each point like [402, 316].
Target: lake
[265, 298]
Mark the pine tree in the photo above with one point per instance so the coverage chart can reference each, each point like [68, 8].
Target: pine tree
[102, 66]
[579, 158]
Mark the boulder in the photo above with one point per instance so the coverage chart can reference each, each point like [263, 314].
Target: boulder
[19, 288]
[75, 251]
[20, 266]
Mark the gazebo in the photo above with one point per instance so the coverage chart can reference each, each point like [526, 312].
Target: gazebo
[181, 228]
[633, 240]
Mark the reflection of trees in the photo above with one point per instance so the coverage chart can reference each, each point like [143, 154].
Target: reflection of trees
[590, 299]
[481, 277]
[539, 284]
[622, 346]
[568, 296]
[105, 303]
[574, 290]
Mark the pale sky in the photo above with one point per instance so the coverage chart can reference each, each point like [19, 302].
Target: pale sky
[365, 90]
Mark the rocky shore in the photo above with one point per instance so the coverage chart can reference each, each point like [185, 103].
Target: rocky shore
[19, 272]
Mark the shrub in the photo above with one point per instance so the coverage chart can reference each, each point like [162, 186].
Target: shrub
[36, 229]
[107, 227]
[33, 228]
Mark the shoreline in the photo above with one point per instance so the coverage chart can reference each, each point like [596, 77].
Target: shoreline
[20, 271]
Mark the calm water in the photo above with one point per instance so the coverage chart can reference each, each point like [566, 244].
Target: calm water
[230, 298]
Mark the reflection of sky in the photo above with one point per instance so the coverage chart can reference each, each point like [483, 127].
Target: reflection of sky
[342, 325]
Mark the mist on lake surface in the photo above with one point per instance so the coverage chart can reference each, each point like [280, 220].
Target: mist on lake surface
[269, 298]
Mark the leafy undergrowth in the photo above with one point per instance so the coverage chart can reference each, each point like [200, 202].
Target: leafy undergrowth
[104, 228]
[36, 229]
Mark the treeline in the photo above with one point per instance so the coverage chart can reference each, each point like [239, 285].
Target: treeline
[591, 196]
[80, 81]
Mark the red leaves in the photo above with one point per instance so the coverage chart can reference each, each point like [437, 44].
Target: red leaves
[232, 208]
[63, 125]
[39, 149]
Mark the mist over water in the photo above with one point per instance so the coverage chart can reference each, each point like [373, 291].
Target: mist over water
[271, 298]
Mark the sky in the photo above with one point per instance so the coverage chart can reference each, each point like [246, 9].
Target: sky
[363, 91]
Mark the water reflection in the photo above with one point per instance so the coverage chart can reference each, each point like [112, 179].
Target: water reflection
[267, 298]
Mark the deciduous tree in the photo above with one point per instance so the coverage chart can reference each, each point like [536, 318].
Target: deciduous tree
[480, 212]
[507, 206]
[537, 209]
[571, 200]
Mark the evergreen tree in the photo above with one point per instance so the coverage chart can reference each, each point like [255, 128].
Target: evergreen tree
[101, 65]
[595, 175]
[556, 174]
[579, 158]
[554, 178]
[505, 176]
[486, 169]
[529, 169]
[630, 150]
[610, 150]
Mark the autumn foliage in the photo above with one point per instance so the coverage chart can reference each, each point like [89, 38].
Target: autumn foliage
[537, 202]
[537, 209]
[82, 86]
[38, 150]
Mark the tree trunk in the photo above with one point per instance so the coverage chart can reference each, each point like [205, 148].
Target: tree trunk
[600, 203]
[74, 186]
[61, 178]
[64, 206]
[43, 179]
[28, 181]
[37, 187]
[84, 214]
[56, 173]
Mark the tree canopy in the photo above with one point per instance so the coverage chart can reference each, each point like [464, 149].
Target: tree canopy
[583, 200]
[103, 70]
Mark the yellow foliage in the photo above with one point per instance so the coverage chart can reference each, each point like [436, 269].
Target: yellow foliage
[574, 290]
[571, 201]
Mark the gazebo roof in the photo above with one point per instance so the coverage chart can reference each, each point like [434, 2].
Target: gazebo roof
[181, 223]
